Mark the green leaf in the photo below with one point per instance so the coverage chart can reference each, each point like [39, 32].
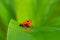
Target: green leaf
[16, 33]
[55, 22]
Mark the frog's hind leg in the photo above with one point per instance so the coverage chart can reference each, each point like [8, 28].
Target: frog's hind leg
[21, 25]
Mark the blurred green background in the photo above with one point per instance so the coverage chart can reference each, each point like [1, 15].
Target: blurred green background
[45, 15]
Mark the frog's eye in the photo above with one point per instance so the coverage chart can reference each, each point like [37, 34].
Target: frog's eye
[27, 21]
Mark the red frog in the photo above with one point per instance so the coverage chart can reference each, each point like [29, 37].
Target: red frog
[26, 23]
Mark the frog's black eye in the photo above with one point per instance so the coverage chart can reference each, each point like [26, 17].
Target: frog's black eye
[27, 21]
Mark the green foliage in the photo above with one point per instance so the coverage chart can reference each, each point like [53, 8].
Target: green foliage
[41, 12]
[45, 16]
[15, 32]
[6, 13]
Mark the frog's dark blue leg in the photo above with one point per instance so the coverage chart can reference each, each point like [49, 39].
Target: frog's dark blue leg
[21, 25]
